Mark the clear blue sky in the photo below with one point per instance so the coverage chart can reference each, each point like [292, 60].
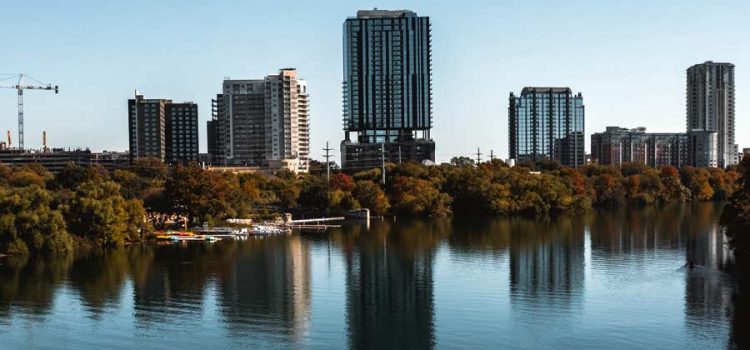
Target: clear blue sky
[628, 58]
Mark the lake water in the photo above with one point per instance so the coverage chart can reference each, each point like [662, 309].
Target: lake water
[602, 280]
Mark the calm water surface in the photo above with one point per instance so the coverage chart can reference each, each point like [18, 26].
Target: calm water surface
[603, 280]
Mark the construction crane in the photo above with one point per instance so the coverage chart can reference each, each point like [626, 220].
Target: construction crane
[20, 86]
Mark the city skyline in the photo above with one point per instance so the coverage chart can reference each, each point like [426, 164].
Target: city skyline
[481, 52]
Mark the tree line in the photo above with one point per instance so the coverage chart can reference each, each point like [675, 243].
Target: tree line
[88, 206]
[736, 218]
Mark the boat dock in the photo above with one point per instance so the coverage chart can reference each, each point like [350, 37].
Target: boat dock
[206, 234]
[317, 224]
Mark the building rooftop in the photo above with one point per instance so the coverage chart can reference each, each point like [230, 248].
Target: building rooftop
[536, 89]
[712, 63]
[375, 13]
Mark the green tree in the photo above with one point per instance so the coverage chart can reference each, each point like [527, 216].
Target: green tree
[696, 179]
[97, 212]
[198, 195]
[418, 197]
[736, 218]
[136, 226]
[30, 174]
[674, 190]
[73, 175]
[286, 190]
[462, 162]
[371, 196]
[314, 194]
[28, 224]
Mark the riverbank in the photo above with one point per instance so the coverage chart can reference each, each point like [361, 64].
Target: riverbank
[40, 212]
[736, 219]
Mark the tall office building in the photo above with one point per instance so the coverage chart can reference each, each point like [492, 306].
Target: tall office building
[387, 88]
[161, 129]
[710, 114]
[616, 146]
[262, 123]
[547, 123]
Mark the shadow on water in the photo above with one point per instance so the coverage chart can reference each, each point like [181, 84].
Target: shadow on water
[261, 291]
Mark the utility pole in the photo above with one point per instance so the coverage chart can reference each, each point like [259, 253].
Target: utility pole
[479, 156]
[492, 155]
[382, 161]
[328, 163]
[399, 154]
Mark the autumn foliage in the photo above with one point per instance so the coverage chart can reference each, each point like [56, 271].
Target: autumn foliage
[41, 212]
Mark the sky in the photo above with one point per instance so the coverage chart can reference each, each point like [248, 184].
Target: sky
[627, 58]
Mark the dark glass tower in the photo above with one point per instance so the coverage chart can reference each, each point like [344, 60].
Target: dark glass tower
[547, 123]
[387, 91]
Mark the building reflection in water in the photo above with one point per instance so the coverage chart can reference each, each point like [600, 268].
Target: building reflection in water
[169, 281]
[708, 288]
[546, 266]
[389, 278]
[689, 233]
[629, 234]
[260, 290]
[266, 292]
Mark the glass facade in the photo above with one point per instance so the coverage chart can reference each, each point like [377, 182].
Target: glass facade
[547, 123]
[387, 65]
[387, 88]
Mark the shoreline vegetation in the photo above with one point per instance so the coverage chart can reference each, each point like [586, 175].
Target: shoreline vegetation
[736, 219]
[84, 208]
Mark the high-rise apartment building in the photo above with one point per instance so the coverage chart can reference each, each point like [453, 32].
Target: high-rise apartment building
[387, 88]
[616, 146]
[262, 123]
[159, 128]
[181, 132]
[547, 123]
[710, 114]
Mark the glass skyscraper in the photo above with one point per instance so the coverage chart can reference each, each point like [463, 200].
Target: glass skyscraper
[710, 114]
[547, 123]
[387, 90]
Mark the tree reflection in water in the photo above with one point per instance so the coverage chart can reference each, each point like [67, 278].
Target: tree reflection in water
[262, 289]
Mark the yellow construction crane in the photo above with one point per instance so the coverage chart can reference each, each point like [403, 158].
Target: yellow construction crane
[20, 86]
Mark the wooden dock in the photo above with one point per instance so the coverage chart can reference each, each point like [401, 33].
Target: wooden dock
[317, 220]
[317, 224]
